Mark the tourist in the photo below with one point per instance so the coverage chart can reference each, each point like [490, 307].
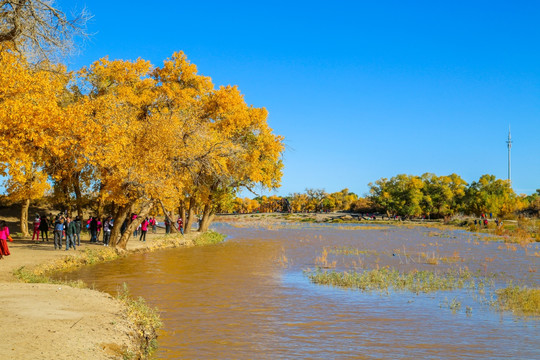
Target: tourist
[70, 234]
[99, 226]
[93, 229]
[107, 227]
[144, 229]
[180, 225]
[153, 223]
[167, 225]
[136, 231]
[78, 228]
[37, 221]
[124, 226]
[44, 228]
[4, 236]
[58, 230]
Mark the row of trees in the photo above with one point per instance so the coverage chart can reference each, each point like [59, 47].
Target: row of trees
[406, 196]
[128, 137]
[442, 196]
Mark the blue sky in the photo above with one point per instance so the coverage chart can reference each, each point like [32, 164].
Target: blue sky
[360, 90]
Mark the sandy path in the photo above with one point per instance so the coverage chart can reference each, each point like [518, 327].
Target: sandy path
[45, 321]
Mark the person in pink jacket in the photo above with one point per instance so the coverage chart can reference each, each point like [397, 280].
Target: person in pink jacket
[144, 229]
[4, 236]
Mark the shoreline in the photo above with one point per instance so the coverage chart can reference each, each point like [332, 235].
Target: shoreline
[48, 319]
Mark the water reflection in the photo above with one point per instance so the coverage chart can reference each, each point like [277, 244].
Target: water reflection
[247, 298]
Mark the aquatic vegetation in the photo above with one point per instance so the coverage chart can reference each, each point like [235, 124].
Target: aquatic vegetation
[348, 250]
[209, 238]
[519, 299]
[323, 260]
[386, 279]
[146, 320]
[454, 305]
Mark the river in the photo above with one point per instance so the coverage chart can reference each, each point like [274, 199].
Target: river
[248, 298]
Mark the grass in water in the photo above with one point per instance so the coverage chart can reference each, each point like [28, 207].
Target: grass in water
[385, 279]
[146, 320]
[209, 238]
[348, 250]
[519, 299]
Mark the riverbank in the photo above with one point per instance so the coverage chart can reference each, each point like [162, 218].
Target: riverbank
[56, 321]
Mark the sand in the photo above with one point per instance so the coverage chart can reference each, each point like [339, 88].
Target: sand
[45, 321]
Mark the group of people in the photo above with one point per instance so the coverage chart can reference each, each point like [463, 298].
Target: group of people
[68, 230]
[64, 229]
[95, 226]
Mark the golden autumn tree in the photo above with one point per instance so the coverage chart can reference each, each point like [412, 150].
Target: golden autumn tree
[118, 117]
[30, 119]
[181, 93]
[246, 152]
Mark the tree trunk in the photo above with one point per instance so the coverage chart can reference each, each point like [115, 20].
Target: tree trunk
[67, 199]
[78, 196]
[168, 216]
[145, 210]
[183, 213]
[191, 215]
[24, 217]
[100, 202]
[119, 217]
[207, 218]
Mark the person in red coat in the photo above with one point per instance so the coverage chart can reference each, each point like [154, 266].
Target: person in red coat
[4, 236]
[37, 222]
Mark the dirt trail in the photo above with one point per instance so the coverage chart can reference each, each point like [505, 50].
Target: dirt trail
[45, 321]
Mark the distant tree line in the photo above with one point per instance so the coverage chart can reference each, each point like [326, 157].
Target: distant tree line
[406, 196]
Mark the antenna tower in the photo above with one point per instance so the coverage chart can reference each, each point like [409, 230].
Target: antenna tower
[509, 144]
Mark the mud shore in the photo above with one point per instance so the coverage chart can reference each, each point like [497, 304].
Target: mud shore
[47, 321]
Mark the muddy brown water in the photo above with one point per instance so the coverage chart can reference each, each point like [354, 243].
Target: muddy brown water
[249, 299]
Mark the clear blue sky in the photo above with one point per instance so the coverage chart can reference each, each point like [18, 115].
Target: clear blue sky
[360, 90]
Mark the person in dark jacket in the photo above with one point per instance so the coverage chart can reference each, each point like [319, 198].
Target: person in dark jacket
[44, 228]
[93, 230]
[70, 234]
[78, 228]
[58, 231]
[107, 228]
[124, 226]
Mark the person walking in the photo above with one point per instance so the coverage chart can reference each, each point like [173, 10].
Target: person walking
[153, 223]
[144, 229]
[180, 225]
[4, 236]
[136, 231]
[44, 228]
[99, 227]
[167, 225]
[58, 231]
[78, 228]
[37, 221]
[70, 234]
[107, 228]
[124, 226]
[93, 230]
